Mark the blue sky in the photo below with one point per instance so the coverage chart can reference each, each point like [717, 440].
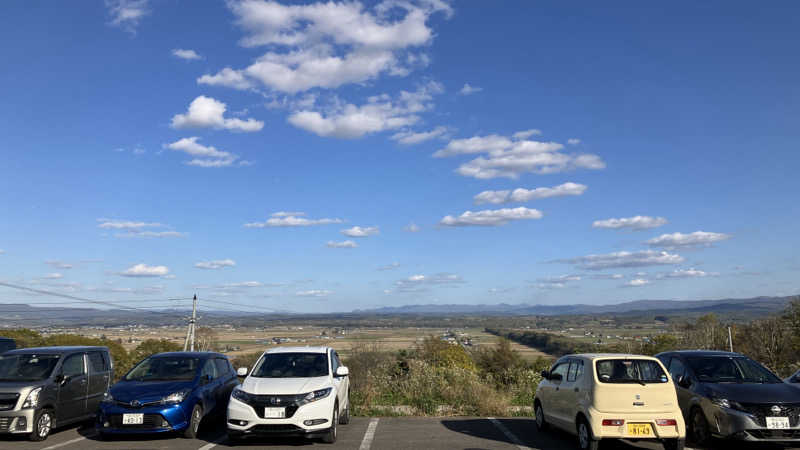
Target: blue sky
[329, 156]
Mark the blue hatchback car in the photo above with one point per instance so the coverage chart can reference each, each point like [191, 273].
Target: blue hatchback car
[168, 392]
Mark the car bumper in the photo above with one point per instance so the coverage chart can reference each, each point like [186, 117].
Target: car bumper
[677, 431]
[242, 420]
[157, 419]
[733, 424]
[17, 421]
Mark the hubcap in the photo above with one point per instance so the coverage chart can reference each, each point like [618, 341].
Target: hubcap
[583, 435]
[196, 420]
[44, 424]
[539, 416]
[335, 422]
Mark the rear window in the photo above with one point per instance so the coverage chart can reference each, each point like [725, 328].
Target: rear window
[725, 369]
[630, 371]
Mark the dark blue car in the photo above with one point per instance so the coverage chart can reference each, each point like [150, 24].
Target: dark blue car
[168, 392]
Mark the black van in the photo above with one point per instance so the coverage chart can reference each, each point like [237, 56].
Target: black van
[47, 387]
[7, 344]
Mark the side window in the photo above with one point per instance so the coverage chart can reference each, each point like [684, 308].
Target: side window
[97, 362]
[222, 367]
[676, 368]
[209, 368]
[73, 366]
[575, 370]
[334, 362]
[561, 369]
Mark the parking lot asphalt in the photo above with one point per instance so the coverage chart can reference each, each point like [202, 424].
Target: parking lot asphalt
[363, 433]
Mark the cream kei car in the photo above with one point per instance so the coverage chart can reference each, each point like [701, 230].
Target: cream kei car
[610, 396]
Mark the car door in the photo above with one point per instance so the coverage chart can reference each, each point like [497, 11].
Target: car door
[342, 383]
[555, 407]
[677, 369]
[208, 381]
[74, 388]
[98, 379]
[570, 391]
[227, 381]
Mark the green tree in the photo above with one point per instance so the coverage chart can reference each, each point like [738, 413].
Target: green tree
[153, 346]
[25, 337]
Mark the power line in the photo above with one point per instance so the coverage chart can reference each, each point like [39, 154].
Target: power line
[247, 306]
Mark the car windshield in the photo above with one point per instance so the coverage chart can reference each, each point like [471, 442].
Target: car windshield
[630, 371]
[27, 367]
[725, 369]
[164, 368]
[292, 365]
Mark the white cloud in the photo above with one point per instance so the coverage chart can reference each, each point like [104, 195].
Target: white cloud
[2, 251]
[491, 217]
[58, 264]
[524, 195]
[206, 112]
[634, 223]
[134, 229]
[361, 232]
[216, 264]
[525, 134]
[573, 141]
[510, 158]
[559, 282]
[151, 234]
[419, 282]
[611, 276]
[411, 138]
[624, 259]
[126, 14]
[53, 276]
[412, 228]
[314, 293]
[696, 239]
[637, 282]
[392, 266]
[467, 89]
[380, 113]
[126, 224]
[284, 219]
[688, 273]
[342, 244]
[206, 156]
[242, 284]
[186, 54]
[326, 45]
[143, 270]
[227, 77]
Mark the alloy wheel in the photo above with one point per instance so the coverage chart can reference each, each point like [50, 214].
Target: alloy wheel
[583, 435]
[45, 422]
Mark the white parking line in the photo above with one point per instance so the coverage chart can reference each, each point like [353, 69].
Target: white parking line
[214, 443]
[366, 443]
[509, 434]
[65, 443]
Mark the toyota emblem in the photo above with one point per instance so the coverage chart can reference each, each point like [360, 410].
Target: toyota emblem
[775, 409]
[136, 403]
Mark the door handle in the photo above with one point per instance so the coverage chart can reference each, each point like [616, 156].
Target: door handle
[557, 387]
[577, 390]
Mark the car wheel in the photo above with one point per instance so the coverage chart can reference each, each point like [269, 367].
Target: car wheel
[194, 423]
[585, 440]
[674, 444]
[541, 425]
[234, 437]
[698, 427]
[42, 425]
[330, 437]
[344, 418]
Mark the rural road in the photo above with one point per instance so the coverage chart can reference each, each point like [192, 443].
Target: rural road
[390, 433]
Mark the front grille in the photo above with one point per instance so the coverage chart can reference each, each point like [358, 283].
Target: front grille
[259, 402]
[149, 421]
[277, 428]
[134, 404]
[761, 411]
[8, 401]
[5, 422]
[775, 435]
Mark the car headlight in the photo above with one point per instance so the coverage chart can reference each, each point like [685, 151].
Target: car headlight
[240, 395]
[725, 403]
[314, 396]
[175, 397]
[108, 398]
[32, 400]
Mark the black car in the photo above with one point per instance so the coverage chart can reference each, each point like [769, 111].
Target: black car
[728, 395]
[7, 344]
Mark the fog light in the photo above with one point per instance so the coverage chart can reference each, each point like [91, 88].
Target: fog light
[241, 423]
[313, 422]
[106, 424]
[613, 422]
[22, 423]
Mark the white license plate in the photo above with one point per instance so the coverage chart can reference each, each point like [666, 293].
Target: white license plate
[777, 423]
[132, 419]
[274, 413]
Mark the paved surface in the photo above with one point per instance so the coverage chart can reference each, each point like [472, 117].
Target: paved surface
[391, 433]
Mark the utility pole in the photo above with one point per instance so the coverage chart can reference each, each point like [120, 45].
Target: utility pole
[189, 342]
[730, 339]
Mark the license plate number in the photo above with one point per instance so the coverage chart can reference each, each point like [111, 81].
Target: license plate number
[274, 413]
[640, 429]
[777, 423]
[132, 419]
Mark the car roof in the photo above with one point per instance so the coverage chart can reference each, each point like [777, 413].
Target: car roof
[701, 353]
[201, 355]
[58, 350]
[298, 349]
[595, 356]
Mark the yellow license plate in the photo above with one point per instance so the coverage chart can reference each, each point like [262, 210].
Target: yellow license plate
[640, 429]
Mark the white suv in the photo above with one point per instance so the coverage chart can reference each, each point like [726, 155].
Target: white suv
[294, 391]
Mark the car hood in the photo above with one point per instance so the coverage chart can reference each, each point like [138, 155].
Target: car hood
[19, 386]
[284, 386]
[756, 393]
[147, 391]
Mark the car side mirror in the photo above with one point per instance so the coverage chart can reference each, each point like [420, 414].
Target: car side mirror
[545, 375]
[241, 372]
[556, 377]
[342, 371]
[684, 381]
[62, 379]
[205, 379]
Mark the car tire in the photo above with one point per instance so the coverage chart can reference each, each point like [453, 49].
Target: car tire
[330, 436]
[42, 425]
[698, 427]
[585, 439]
[674, 444]
[194, 423]
[234, 437]
[541, 424]
[344, 418]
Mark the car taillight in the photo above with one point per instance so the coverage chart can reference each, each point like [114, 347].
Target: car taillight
[666, 422]
[613, 422]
